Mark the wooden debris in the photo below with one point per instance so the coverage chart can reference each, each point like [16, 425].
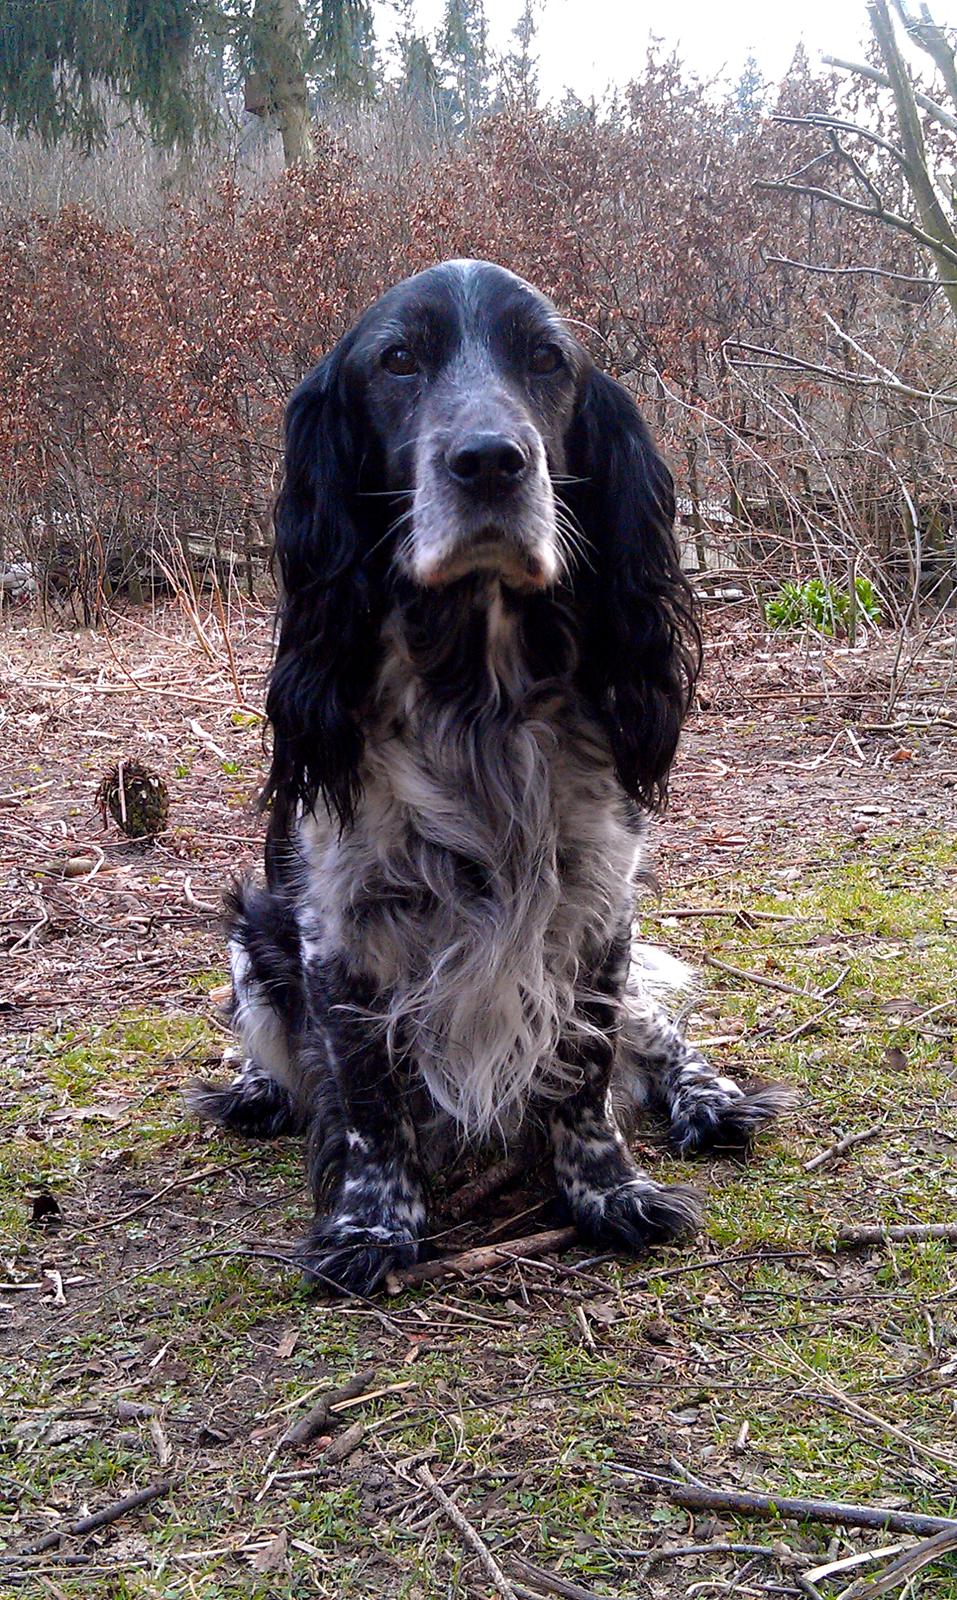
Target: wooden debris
[760, 979]
[546, 1582]
[850, 1237]
[492, 1181]
[320, 1416]
[469, 1535]
[841, 1146]
[749, 1503]
[345, 1445]
[904, 1567]
[98, 1519]
[470, 1263]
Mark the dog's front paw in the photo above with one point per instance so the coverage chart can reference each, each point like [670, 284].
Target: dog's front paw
[717, 1114]
[643, 1213]
[636, 1213]
[344, 1258]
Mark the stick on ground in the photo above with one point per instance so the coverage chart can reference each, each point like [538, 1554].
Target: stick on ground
[465, 1200]
[848, 1237]
[762, 981]
[550, 1583]
[462, 1525]
[469, 1263]
[840, 1147]
[904, 1566]
[748, 1503]
[98, 1519]
[321, 1415]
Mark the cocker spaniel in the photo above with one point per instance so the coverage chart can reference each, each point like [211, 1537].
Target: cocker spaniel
[486, 651]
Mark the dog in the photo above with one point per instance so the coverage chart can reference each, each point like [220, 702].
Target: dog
[486, 650]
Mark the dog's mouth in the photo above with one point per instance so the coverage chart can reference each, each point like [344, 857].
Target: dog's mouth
[517, 567]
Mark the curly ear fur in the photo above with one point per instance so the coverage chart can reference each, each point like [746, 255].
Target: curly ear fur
[331, 607]
[641, 645]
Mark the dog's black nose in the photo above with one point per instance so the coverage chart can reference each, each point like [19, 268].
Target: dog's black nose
[487, 464]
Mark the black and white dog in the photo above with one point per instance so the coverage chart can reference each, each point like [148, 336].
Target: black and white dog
[485, 655]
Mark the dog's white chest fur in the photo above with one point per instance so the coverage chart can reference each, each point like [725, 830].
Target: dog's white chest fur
[485, 871]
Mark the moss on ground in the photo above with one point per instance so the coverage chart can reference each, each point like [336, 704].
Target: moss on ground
[760, 1355]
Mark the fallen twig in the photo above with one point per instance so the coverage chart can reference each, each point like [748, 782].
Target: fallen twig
[837, 1400]
[860, 1558]
[551, 1583]
[904, 1566]
[13, 795]
[462, 1525]
[495, 1178]
[312, 1424]
[738, 913]
[762, 981]
[835, 984]
[468, 1263]
[198, 905]
[915, 1231]
[345, 1445]
[98, 1519]
[840, 1147]
[750, 1503]
[903, 727]
[677, 1552]
[804, 1027]
[144, 1205]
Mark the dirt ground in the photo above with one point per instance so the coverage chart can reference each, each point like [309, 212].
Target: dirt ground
[156, 1337]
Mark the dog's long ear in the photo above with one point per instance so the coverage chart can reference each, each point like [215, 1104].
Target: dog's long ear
[641, 645]
[330, 607]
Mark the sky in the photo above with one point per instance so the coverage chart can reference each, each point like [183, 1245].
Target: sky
[587, 45]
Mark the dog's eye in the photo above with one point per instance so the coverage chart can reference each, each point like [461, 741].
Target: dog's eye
[545, 358]
[400, 361]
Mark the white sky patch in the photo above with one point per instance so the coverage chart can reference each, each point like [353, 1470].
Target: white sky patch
[588, 45]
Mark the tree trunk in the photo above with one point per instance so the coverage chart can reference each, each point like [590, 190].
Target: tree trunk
[934, 219]
[279, 47]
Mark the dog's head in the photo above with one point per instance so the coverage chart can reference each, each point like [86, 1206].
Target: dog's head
[459, 428]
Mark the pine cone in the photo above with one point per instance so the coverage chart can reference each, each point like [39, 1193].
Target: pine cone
[137, 799]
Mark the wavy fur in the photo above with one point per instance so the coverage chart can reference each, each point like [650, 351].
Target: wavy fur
[476, 700]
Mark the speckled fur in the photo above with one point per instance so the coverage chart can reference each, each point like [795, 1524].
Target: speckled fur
[474, 705]
[470, 936]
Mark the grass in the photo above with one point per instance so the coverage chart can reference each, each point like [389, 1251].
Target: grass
[743, 1356]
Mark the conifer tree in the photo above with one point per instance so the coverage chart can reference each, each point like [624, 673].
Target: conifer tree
[463, 51]
[64, 63]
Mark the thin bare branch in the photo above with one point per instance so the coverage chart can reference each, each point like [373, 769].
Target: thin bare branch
[892, 219]
[932, 284]
[874, 75]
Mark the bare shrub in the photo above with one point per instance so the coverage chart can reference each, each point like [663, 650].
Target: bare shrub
[144, 363]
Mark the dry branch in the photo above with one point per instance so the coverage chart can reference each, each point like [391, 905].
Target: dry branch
[462, 1526]
[904, 1566]
[904, 1233]
[98, 1519]
[144, 1205]
[550, 1583]
[345, 1445]
[840, 1147]
[761, 980]
[750, 1503]
[321, 1415]
[463, 1201]
[469, 1263]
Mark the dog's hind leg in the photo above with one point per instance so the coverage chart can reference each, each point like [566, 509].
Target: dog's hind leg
[266, 1013]
[658, 1066]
